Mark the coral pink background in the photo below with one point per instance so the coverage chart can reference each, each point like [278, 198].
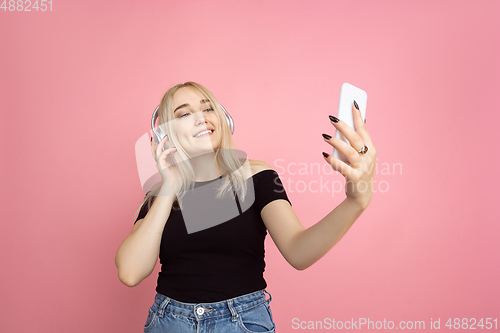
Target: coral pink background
[78, 86]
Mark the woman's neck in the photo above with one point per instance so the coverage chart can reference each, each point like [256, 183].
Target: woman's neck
[206, 167]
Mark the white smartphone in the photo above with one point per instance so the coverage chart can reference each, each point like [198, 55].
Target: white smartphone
[349, 94]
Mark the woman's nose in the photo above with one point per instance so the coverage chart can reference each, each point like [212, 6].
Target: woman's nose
[200, 118]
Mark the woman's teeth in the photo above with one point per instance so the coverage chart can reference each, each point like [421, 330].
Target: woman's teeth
[204, 133]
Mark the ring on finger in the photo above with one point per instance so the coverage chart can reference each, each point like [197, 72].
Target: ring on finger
[363, 150]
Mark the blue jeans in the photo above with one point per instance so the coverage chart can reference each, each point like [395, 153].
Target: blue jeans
[247, 313]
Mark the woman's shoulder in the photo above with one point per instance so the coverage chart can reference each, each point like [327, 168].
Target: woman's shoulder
[258, 165]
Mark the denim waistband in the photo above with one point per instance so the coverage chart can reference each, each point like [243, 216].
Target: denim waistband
[200, 311]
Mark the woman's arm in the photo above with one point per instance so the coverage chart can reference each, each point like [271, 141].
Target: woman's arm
[303, 247]
[137, 255]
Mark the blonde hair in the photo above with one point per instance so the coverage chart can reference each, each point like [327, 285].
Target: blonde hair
[229, 162]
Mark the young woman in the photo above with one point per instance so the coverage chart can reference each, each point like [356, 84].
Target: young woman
[208, 218]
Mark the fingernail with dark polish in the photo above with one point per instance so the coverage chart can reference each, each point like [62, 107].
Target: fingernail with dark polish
[325, 154]
[326, 136]
[334, 119]
[356, 105]
[365, 120]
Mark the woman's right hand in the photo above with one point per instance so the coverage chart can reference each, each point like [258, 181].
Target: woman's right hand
[170, 183]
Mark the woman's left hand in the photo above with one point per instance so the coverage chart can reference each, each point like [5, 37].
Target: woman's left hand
[360, 172]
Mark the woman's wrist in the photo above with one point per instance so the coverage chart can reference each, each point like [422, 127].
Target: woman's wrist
[166, 191]
[361, 204]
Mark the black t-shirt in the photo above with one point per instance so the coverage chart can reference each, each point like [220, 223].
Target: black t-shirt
[222, 261]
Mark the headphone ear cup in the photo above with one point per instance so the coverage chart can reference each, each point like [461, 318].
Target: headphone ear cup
[230, 123]
[160, 133]
[229, 119]
[160, 136]
[157, 131]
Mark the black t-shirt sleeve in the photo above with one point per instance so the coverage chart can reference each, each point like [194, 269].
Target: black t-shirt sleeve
[268, 187]
[142, 213]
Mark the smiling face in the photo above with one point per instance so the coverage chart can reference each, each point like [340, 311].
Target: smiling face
[193, 113]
